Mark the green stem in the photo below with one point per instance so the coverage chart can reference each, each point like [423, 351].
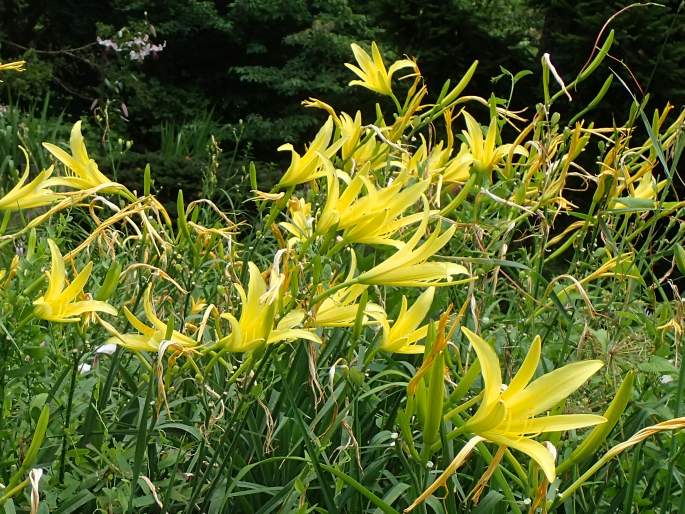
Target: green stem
[461, 196]
[67, 417]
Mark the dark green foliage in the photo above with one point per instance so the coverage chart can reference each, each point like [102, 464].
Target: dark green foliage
[649, 54]
[256, 60]
[447, 36]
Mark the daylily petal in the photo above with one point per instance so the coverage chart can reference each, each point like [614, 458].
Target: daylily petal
[533, 449]
[556, 423]
[57, 272]
[548, 390]
[526, 371]
[77, 284]
[489, 364]
[137, 324]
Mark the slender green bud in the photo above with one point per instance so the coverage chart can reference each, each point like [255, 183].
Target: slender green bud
[454, 94]
[147, 180]
[598, 435]
[109, 284]
[598, 58]
[253, 176]
[182, 222]
[31, 246]
[434, 407]
[34, 448]
[679, 256]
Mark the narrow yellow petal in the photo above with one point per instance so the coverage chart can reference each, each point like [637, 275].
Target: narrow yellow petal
[489, 364]
[548, 390]
[557, 423]
[57, 273]
[150, 311]
[533, 449]
[137, 324]
[526, 371]
[76, 287]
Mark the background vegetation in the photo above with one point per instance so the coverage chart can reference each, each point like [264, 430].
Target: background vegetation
[239, 70]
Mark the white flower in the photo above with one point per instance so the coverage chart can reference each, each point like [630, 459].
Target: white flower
[107, 349]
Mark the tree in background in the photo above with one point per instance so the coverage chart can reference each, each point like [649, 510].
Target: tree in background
[205, 65]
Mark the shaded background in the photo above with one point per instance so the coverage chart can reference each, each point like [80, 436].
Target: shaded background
[200, 88]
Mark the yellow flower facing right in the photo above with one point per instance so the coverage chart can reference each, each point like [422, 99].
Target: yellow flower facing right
[507, 414]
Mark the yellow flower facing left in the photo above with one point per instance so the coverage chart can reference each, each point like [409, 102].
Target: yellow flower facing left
[372, 70]
[84, 171]
[36, 193]
[308, 166]
[13, 66]
[58, 303]
[405, 333]
[150, 338]
[408, 266]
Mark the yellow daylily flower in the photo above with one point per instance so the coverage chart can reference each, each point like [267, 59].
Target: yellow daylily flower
[197, 305]
[408, 266]
[13, 66]
[673, 325]
[360, 146]
[255, 328]
[84, 171]
[36, 193]
[405, 332]
[351, 131]
[425, 161]
[506, 415]
[373, 217]
[301, 225]
[647, 189]
[10, 272]
[458, 169]
[337, 202]
[57, 304]
[306, 167]
[372, 71]
[486, 155]
[150, 338]
[341, 308]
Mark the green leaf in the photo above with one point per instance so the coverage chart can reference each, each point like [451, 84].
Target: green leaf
[657, 364]
[385, 508]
